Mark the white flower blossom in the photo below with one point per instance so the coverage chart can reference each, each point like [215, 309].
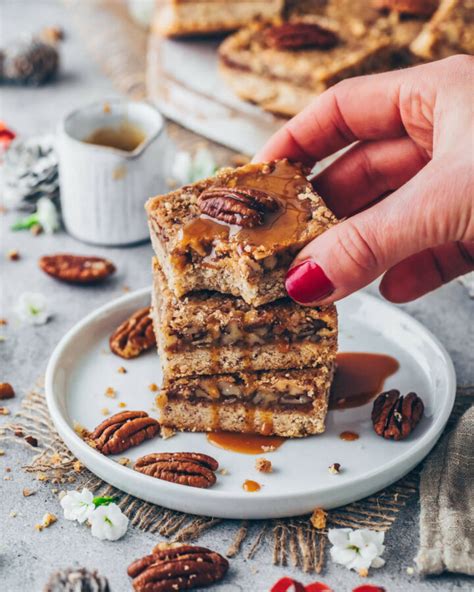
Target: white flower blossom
[32, 308]
[357, 549]
[181, 169]
[188, 169]
[204, 164]
[108, 522]
[48, 215]
[78, 505]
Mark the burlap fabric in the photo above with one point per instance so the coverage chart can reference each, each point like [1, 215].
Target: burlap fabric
[447, 503]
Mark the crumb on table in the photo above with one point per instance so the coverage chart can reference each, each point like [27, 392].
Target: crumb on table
[263, 465]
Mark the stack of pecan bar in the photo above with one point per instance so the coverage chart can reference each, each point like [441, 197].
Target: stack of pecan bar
[237, 353]
[283, 63]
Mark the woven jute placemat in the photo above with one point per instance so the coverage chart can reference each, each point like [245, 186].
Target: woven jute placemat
[294, 541]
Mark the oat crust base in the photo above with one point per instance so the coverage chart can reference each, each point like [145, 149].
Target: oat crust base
[207, 417]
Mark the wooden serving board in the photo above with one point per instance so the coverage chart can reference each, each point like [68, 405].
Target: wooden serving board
[184, 83]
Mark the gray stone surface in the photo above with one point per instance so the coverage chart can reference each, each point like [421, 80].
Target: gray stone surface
[26, 556]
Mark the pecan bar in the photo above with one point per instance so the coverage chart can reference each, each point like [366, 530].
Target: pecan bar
[283, 65]
[237, 232]
[289, 403]
[262, 68]
[211, 333]
[175, 18]
[450, 31]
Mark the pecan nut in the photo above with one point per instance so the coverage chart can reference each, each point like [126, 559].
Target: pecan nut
[122, 431]
[413, 7]
[394, 416]
[185, 468]
[6, 391]
[76, 269]
[292, 36]
[178, 567]
[243, 206]
[133, 336]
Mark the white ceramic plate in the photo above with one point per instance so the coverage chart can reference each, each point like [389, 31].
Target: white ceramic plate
[82, 368]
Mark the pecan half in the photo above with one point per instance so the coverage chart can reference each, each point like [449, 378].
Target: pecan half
[6, 391]
[176, 568]
[122, 431]
[291, 36]
[186, 468]
[394, 416]
[133, 336]
[414, 7]
[242, 206]
[76, 269]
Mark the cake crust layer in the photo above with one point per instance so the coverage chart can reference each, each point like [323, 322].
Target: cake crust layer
[207, 417]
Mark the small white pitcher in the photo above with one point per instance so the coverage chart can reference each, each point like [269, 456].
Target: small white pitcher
[103, 189]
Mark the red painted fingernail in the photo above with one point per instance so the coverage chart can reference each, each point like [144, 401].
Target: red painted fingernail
[307, 283]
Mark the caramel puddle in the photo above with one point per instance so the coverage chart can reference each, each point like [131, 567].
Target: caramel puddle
[245, 443]
[359, 378]
[349, 436]
[251, 486]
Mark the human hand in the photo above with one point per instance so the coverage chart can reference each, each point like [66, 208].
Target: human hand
[406, 189]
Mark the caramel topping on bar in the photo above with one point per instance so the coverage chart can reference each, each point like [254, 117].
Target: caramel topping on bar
[200, 232]
[282, 226]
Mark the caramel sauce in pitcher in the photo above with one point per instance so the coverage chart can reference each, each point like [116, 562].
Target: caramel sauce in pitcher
[125, 136]
[359, 378]
[280, 228]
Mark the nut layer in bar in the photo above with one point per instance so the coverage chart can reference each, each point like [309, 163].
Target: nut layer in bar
[237, 232]
[289, 403]
[212, 333]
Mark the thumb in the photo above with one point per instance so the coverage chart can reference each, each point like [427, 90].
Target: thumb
[356, 251]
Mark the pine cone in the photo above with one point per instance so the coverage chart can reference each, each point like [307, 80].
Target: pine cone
[77, 580]
[29, 61]
[30, 171]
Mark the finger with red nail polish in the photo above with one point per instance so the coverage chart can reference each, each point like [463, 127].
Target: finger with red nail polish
[307, 283]
[410, 221]
[404, 190]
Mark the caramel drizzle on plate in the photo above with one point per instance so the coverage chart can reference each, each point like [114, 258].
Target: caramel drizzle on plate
[251, 486]
[359, 378]
[245, 443]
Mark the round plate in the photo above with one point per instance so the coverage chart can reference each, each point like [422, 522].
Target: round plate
[82, 368]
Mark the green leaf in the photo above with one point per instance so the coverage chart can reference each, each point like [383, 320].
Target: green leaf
[104, 501]
[26, 223]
